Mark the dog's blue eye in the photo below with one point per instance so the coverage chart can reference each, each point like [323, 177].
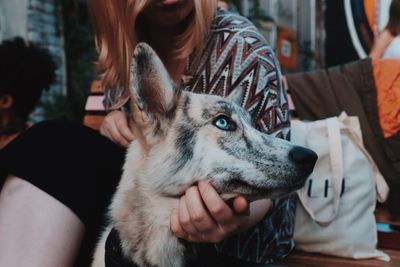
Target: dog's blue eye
[224, 123]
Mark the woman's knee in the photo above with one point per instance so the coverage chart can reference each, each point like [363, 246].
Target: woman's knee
[20, 195]
[30, 220]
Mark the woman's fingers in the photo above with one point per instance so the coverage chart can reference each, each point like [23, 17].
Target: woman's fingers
[203, 216]
[125, 130]
[176, 227]
[226, 220]
[184, 217]
[241, 206]
[200, 217]
[217, 207]
[116, 135]
[115, 127]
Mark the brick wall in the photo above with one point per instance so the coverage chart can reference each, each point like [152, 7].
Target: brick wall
[44, 29]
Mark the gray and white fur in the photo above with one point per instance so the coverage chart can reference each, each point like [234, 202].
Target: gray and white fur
[189, 137]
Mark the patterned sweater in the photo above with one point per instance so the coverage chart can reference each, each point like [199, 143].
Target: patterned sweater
[237, 57]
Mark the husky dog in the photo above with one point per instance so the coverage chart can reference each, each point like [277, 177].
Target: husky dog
[183, 138]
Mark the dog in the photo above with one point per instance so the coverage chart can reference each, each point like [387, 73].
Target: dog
[182, 138]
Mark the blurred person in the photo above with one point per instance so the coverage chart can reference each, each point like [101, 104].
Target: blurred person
[228, 5]
[223, 5]
[387, 43]
[62, 194]
[25, 71]
[385, 56]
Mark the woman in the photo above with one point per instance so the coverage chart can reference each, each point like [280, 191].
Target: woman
[204, 51]
[387, 44]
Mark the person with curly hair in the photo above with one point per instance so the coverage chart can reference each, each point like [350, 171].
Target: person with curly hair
[25, 71]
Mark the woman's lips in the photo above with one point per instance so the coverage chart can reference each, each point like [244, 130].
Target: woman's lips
[169, 2]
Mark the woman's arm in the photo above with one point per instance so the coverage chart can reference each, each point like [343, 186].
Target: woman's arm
[381, 43]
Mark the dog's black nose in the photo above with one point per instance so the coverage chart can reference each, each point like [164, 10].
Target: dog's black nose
[303, 157]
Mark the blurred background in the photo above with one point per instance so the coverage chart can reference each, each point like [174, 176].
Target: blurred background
[305, 34]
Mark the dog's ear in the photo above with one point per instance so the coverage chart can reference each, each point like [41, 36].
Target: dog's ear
[236, 96]
[152, 89]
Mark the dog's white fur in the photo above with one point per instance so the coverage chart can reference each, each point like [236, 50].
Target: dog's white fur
[184, 141]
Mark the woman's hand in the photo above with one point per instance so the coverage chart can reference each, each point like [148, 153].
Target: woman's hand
[381, 42]
[116, 128]
[204, 217]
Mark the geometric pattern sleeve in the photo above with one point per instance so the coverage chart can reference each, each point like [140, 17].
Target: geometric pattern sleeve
[237, 57]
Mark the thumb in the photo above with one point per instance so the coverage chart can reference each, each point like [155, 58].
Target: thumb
[241, 206]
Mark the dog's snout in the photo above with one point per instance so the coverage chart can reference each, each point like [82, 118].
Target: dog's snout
[303, 157]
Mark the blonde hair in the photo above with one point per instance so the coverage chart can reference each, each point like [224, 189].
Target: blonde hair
[114, 24]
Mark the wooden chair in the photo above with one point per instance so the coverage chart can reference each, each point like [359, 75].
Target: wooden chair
[388, 241]
[94, 109]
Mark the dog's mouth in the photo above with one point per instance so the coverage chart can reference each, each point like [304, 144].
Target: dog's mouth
[250, 192]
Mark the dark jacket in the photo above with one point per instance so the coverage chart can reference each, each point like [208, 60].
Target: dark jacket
[351, 87]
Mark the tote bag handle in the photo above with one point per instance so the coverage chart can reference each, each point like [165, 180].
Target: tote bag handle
[381, 186]
[336, 161]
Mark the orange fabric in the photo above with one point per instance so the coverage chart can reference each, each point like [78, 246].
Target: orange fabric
[387, 81]
[369, 8]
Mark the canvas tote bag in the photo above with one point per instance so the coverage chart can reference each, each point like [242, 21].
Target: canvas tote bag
[335, 212]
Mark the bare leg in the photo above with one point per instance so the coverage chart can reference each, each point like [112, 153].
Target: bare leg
[35, 228]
